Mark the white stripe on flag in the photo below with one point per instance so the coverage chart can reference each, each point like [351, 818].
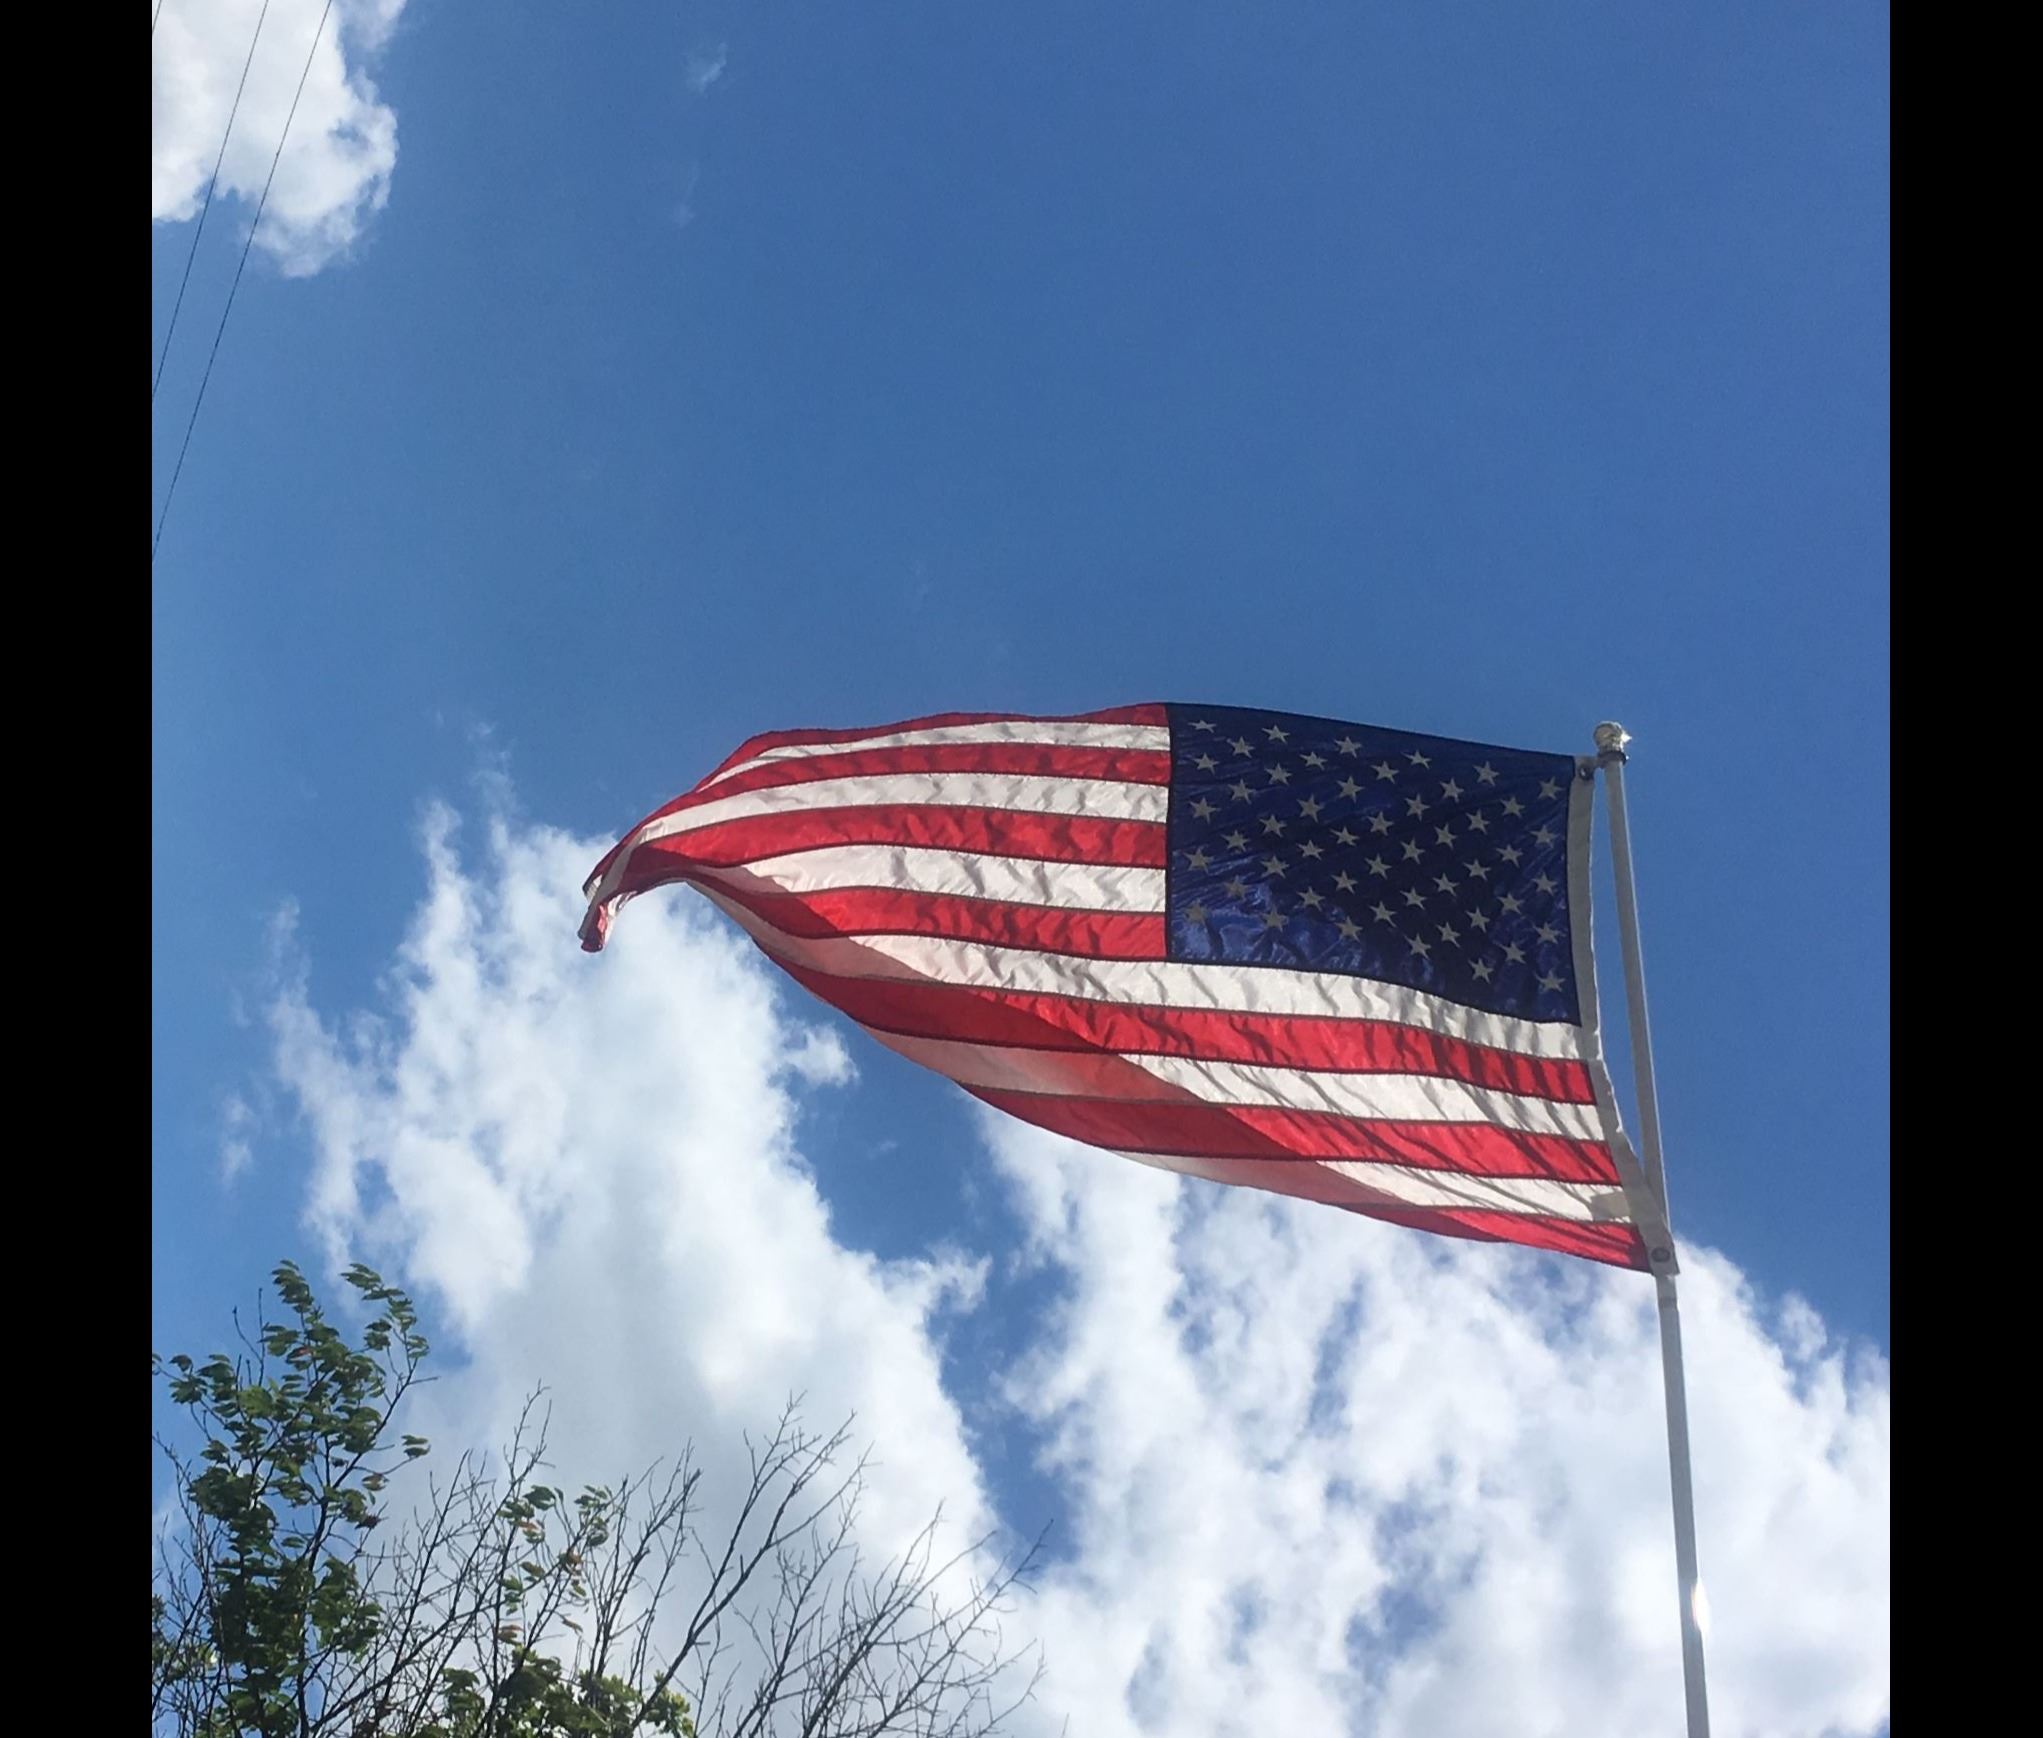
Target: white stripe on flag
[1108, 799]
[1410, 1186]
[1166, 1079]
[969, 874]
[1167, 983]
[1154, 738]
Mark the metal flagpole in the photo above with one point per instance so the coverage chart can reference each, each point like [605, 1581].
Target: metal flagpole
[1610, 755]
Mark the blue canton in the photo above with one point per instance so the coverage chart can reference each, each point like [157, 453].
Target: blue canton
[1317, 846]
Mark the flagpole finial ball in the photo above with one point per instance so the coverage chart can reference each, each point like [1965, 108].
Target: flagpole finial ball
[1611, 738]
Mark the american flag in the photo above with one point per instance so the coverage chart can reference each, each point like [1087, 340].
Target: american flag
[1329, 960]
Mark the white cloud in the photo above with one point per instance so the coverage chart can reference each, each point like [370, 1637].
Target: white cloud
[1327, 1476]
[1317, 1475]
[238, 1122]
[590, 1164]
[705, 69]
[335, 170]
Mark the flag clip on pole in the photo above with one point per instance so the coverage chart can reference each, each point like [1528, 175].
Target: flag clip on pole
[1610, 756]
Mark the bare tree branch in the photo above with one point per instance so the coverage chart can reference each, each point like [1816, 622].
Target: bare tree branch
[315, 1585]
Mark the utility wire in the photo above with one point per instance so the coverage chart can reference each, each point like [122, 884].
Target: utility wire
[211, 186]
[261, 205]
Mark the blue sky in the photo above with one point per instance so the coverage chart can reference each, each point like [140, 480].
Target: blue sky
[1485, 371]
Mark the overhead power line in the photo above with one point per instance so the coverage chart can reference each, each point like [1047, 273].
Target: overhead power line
[212, 186]
[234, 288]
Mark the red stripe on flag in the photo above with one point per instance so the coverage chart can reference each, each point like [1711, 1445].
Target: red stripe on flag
[1132, 766]
[1024, 1021]
[994, 832]
[1030, 759]
[1269, 1134]
[1613, 1242]
[1616, 1245]
[852, 911]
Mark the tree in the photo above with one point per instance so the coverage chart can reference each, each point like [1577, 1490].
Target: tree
[316, 1583]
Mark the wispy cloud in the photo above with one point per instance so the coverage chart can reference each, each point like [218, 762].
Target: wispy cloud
[336, 166]
[684, 207]
[705, 69]
[237, 1128]
[1318, 1475]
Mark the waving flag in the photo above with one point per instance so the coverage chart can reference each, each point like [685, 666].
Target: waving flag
[1329, 960]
